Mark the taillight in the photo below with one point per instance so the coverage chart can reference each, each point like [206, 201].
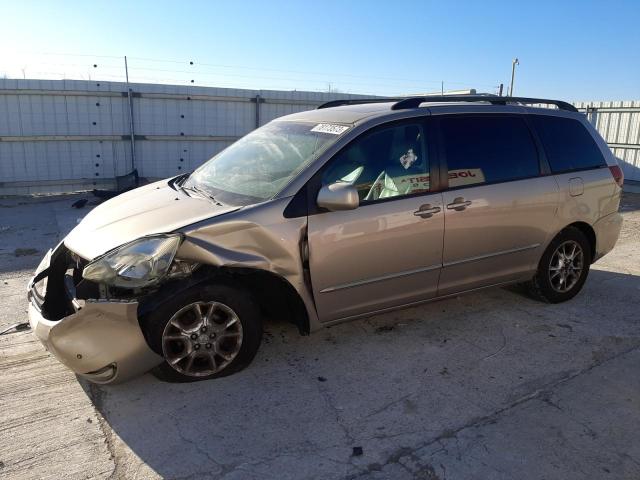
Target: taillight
[618, 176]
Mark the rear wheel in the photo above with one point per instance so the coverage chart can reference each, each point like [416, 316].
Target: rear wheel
[204, 333]
[563, 268]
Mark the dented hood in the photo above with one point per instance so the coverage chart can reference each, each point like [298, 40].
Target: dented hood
[154, 208]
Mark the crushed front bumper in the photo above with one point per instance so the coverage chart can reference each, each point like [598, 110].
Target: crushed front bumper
[100, 340]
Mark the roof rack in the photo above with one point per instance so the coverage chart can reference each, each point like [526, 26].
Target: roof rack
[359, 101]
[415, 102]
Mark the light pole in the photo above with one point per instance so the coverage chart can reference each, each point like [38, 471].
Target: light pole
[513, 74]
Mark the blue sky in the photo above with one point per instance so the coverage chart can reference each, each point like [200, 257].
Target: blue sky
[575, 50]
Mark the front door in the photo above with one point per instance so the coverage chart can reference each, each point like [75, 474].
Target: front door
[388, 251]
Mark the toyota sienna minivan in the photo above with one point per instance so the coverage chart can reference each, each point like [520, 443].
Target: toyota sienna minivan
[349, 210]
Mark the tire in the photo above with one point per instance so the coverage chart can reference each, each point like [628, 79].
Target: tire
[547, 284]
[175, 330]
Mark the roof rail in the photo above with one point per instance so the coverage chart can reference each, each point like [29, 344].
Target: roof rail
[415, 102]
[358, 101]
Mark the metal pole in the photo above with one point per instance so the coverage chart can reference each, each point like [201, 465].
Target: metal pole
[258, 111]
[513, 74]
[442, 87]
[131, 130]
[500, 90]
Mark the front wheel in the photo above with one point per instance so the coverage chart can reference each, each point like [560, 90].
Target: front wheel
[563, 268]
[204, 333]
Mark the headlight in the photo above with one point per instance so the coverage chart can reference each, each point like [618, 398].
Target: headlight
[140, 263]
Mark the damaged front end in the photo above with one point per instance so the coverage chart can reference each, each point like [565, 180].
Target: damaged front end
[85, 326]
[97, 316]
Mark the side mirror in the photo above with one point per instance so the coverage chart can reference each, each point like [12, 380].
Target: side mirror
[338, 196]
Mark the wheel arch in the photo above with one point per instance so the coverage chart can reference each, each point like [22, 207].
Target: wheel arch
[588, 232]
[270, 291]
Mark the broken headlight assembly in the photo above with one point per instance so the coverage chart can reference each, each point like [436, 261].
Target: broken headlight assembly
[141, 263]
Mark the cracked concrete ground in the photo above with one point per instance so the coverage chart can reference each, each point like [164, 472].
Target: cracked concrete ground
[487, 385]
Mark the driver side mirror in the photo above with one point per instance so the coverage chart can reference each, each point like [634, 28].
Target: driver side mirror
[338, 196]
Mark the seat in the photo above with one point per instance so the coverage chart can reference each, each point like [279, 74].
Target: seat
[406, 170]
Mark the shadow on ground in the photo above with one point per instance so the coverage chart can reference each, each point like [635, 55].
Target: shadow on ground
[630, 202]
[394, 396]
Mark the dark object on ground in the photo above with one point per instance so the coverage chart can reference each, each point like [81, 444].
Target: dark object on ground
[123, 184]
[23, 252]
[357, 451]
[18, 327]
[322, 379]
[385, 328]
[79, 203]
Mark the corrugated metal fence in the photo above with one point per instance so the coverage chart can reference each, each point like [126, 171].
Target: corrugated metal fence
[619, 125]
[70, 135]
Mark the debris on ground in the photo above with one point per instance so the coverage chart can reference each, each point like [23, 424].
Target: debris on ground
[23, 252]
[385, 328]
[79, 203]
[564, 325]
[18, 327]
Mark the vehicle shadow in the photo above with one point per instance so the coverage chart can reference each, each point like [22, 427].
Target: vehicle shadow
[630, 202]
[381, 383]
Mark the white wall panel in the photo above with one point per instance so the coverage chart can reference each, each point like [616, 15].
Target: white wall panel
[170, 122]
[619, 124]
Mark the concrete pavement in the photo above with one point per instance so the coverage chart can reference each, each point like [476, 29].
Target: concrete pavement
[486, 385]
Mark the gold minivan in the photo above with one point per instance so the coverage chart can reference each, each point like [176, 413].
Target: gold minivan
[356, 208]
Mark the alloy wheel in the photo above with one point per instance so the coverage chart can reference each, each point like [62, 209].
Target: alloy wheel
[567, 264]
[202, 338]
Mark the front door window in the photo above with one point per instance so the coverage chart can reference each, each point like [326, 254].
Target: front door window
[387, 163]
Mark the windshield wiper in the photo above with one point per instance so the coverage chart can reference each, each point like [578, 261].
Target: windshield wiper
[201, 192]
[177, 182]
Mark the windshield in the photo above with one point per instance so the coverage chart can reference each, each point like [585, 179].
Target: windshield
[259, 165]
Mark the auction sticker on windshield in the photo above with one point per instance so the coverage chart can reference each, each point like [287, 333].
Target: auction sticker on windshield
[330, 128]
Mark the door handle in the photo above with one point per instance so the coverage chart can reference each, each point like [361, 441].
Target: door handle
[458, 204]
[426, 211]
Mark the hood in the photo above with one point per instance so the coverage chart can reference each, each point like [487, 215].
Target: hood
[154, 208]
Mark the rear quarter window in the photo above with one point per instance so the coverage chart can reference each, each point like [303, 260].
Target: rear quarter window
[568, 144]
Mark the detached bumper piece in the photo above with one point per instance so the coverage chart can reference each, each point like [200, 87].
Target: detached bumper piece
[98, 339]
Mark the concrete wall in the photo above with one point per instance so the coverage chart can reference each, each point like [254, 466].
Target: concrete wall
[69, 135]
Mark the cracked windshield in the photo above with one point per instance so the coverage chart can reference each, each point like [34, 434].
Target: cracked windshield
[259, 165]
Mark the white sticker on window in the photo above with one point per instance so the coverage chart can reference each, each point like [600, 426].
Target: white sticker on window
[331, 128]
[465, 176]
[408, 159]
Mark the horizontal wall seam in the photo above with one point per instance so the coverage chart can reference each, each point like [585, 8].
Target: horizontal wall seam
[63, 181]
[161, 96]
[633, 146]
[609, 109]
[113, 138]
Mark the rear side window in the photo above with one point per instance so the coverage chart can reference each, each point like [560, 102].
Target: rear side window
[488, 149]
[568, 144]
